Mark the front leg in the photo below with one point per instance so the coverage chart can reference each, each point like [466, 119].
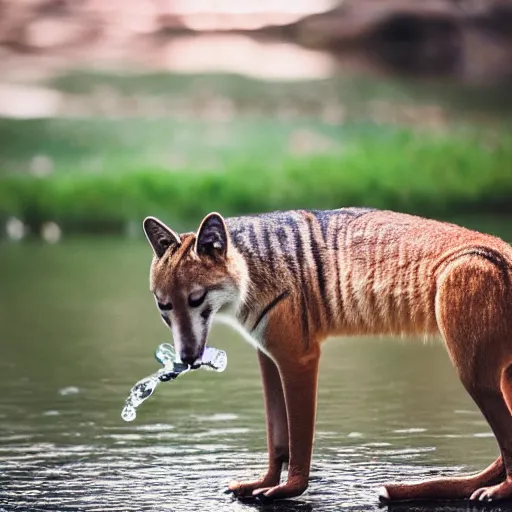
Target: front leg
[277, 430]
[299, 377]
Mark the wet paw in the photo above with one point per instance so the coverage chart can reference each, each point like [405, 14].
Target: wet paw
[495, 492]
[483, 494]
[245, 489]
[268, 494]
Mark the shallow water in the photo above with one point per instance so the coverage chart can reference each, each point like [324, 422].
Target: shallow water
[78, 328]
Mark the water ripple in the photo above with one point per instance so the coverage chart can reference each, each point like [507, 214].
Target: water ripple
[162, 477]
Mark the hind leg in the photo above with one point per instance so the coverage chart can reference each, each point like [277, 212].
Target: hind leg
[491, 480]
[496, 409]
[464, 487]
[444, 488]
[473, 311]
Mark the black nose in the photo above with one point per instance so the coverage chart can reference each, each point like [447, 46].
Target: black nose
[188, 358]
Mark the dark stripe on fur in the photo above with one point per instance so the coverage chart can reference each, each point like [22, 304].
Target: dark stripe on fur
[300, 277]
[309, 279]
[495, 258]
[270, 306]
[335, 256]
[253, 240]
[319, 264]
[268, 247]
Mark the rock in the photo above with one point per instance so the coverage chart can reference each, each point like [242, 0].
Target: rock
[467, 38]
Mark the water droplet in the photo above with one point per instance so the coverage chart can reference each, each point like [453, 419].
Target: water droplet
[129, 413]
[165, 354]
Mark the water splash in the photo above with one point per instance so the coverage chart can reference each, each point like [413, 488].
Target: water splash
[212, 360]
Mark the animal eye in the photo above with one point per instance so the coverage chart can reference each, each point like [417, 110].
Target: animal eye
[195, 299]
[164, 307]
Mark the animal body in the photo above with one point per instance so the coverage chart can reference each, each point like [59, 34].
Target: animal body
[295, 278]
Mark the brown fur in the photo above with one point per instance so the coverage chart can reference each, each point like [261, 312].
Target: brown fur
[303, 276]
[173, 271]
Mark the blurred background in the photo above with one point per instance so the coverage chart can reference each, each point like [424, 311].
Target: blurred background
[114, 110]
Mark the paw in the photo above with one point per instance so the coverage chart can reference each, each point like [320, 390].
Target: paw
[246, 489]
[287, 490]
[483, 494]
[495, 492]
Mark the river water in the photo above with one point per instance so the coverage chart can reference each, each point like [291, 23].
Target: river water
[78, 327]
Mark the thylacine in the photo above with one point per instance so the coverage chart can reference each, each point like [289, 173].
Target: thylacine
[297, 277]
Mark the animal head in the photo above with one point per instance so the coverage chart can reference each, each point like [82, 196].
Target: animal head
[192, 276]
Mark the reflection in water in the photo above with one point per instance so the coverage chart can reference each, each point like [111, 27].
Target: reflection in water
[388, 410]
[246, 15]
[259, 59]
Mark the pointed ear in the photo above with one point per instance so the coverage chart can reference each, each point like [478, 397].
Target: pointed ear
[212, 236]
[159, 236]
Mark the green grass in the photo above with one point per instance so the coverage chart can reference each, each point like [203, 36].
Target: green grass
[252, 169]
[89, 145]
[264, 146]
